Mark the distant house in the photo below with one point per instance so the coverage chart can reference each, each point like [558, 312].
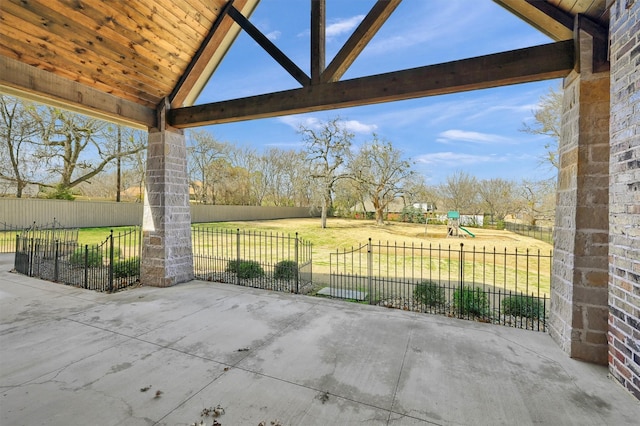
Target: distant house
[393, 210]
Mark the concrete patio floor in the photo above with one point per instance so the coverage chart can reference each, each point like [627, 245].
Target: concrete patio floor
[151, 356]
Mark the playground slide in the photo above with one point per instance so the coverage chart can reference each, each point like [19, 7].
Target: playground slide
[467, 231]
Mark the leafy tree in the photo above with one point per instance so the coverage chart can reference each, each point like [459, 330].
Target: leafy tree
[548, 118]
[327, 149]
[381, 173]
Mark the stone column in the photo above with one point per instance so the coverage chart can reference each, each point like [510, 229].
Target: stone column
[167, 256]
[579, 309]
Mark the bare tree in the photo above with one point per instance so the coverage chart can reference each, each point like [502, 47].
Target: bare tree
[381, 173]
[537, 200]
[460, 192]
[17, 136]
[74, 148]
[498, 197]
[327, 149]
[548, 118]
[204, 151]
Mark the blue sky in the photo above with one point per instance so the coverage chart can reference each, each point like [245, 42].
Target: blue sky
[476, 132]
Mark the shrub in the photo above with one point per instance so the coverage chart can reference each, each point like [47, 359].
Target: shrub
[472, 301]
[523, 306]
[430, 294]
[245, 268]
[60, 192]
[126, 267]
[94, 257]
[412, 215]
[285, 270]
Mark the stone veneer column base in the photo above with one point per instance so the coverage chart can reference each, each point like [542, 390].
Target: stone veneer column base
[167, 256]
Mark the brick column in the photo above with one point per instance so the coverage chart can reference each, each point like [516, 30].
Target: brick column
[624, 236]
[167, 256]
[578, 318]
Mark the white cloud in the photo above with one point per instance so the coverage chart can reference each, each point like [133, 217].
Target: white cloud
[449, 136]
[456, 159]
[295, 121]
[338, 27]
[341, 26]
[273, 35]
[359, 127]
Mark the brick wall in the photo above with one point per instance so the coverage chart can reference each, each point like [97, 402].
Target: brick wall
[624, 196]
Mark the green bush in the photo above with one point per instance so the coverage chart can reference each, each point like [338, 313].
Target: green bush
[500, 225]
[523, 306]
[60, 192]
[245, 268]
[285, 270]
[126, 267]
[472, 301]
[412, 215]
[94, 257]
[430, 294]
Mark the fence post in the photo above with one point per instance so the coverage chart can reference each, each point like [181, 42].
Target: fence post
[297, 265]
[238, 256]
[370, 270]
[32, 247]
[15, 257]
[461, 301]
[111, 261]
[86, 266]
[55, 261]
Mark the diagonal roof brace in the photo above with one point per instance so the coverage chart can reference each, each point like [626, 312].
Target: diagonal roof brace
[369, 26]
[269, 47]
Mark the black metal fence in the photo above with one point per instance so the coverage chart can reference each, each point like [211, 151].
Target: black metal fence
[109, 266]
[51, 231]
[508, 288]
[543, 233]
[264, 260]
[8, 237]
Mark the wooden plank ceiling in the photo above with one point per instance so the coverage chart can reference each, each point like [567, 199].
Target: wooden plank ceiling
[119, 59]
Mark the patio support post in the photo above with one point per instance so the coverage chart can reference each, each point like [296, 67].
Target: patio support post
[579, 307]
[167, 254]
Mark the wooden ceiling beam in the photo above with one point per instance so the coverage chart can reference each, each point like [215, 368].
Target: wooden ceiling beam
[542, 15]
[26, 81]
[215, 46]
[318, 41]
[536, 63]
[369, 26]
[200, 54]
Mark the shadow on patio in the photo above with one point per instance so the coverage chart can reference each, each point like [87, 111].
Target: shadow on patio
[164, 356]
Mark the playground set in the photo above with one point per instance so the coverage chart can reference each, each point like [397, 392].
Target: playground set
[453, 226]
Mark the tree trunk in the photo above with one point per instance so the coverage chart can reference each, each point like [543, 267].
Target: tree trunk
[379, 216]
[323, 216]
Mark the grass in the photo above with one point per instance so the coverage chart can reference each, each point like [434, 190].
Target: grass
[488, 258]
[405, 250]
